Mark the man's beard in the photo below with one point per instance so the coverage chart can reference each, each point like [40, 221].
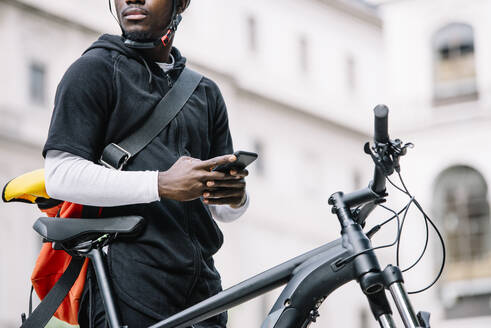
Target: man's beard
[139, 36]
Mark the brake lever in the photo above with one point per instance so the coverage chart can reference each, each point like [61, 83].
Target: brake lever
[379, 156]
[398, 149]
[386, 156]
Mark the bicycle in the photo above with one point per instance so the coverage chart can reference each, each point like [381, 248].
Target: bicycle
[309, 278]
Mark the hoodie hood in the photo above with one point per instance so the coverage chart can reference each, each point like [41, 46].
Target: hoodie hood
[116, 43]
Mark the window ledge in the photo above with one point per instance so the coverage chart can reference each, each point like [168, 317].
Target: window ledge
[451, 291]
[443, 101]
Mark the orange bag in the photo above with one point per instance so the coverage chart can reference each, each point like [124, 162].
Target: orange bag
[51, 264]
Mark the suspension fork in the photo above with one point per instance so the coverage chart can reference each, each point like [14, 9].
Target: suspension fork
[395, 283]
[381, 309]
[391, 278]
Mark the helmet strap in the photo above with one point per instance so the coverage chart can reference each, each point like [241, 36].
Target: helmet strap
[164, 39]
[112, 14]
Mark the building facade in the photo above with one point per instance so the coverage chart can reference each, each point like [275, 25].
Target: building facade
[300, 79]
[439, 87]
[37, 47]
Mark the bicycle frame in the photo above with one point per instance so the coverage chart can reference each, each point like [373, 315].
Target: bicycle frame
[310, 278]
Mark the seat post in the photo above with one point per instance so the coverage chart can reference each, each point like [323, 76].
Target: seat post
[105, 288]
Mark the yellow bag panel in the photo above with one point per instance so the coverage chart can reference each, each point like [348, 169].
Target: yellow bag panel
[26, 188]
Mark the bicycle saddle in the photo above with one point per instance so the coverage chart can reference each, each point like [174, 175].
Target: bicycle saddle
[67, 230]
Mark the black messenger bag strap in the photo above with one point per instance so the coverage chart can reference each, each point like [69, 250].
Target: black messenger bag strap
[115, 156]
[50, 303]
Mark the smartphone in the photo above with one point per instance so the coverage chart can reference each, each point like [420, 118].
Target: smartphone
[244, 158]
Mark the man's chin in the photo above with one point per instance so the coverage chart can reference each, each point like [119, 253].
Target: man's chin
[139, 36]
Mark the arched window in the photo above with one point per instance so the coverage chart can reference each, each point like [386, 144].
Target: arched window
[454, 64]
[461, 204]
[350, 73]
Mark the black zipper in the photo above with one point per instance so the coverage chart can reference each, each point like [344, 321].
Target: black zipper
[178, 136]
[196, 253]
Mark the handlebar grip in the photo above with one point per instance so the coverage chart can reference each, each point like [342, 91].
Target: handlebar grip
[381, 124]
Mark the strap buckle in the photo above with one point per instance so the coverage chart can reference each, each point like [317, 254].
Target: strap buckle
[114, 157]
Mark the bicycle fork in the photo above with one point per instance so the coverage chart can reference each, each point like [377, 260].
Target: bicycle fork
[372, 280]
[391, 279]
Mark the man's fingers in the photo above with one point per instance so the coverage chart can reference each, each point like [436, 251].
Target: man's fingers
[223, 201]
[212, 175]
[233, 176]
[223, 193]
[239, 173]
[215, 175]
[215, 161]
[236, 184]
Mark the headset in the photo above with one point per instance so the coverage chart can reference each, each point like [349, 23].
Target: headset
[164, 39]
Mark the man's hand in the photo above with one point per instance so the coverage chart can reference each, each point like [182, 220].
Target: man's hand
[230, 191]
[190, 178]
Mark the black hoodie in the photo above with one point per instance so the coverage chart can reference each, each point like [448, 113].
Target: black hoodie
[104, 96]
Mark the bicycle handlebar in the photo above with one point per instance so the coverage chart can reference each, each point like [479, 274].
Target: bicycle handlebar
[376, 189]
[381, 134]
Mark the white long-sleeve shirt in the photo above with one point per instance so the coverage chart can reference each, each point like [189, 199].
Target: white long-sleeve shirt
[75, 179]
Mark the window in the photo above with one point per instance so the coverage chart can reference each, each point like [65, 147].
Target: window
[310, 174]
[259, 163]
[364, 318]
[357, 183]
[264, 307]
[37, 84]
[464, 209]
[350, 74]
[454, 64]
[461, 204]
[303, 47]
[252, 33]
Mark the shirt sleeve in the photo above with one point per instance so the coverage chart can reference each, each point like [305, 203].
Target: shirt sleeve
[82, 107]
[225, 213]
[75, 179]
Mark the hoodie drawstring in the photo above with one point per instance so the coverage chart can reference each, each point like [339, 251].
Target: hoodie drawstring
[150, 78]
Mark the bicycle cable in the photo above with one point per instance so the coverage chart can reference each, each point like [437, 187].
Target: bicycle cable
[400, 225]
[377, 227]
[352, 257]
[427, 220]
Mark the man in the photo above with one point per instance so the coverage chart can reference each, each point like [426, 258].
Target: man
[103, 97]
